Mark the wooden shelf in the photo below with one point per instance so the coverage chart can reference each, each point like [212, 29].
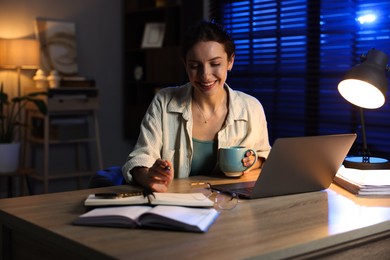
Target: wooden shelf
[132, 6]
[67, 99]
[71, 120]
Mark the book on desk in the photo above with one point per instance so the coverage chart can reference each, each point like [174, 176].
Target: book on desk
[155, 198]
[173, 211]
[161, 217]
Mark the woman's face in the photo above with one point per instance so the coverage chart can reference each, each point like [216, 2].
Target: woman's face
[207, 65]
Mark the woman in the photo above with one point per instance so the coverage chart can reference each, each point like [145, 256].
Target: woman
[184, 126]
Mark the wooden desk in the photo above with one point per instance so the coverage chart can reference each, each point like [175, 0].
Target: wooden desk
[312, 225]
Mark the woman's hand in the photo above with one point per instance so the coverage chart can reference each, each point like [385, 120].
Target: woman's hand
[157, 178]
[249, 159]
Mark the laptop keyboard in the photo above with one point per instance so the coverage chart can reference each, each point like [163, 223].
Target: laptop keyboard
[246, 190]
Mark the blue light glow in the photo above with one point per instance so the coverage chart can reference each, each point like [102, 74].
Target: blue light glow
[368, 18]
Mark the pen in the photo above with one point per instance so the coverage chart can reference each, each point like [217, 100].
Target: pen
[116, 195]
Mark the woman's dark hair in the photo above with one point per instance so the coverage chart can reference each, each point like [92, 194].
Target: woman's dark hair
[204, 31]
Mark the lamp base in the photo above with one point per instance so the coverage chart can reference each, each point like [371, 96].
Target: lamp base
[376, 163]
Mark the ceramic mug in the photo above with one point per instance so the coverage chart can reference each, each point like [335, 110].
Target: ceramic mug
[230, 160]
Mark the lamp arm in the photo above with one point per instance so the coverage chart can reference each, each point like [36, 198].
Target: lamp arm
[365, 152]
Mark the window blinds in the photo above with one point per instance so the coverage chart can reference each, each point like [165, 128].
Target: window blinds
[291, 55]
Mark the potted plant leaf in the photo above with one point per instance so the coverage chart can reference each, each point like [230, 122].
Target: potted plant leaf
[10, 123]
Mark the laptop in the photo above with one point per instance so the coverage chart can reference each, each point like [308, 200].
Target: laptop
[296, 165]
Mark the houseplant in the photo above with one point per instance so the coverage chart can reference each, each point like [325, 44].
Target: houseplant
[10, 122]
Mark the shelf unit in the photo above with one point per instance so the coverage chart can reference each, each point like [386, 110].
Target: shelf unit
[75, 111]
[148, 69]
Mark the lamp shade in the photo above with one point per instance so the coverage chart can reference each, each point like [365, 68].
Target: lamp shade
[365, 85]
[23, 53]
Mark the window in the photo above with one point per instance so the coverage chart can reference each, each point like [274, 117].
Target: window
[291, 55]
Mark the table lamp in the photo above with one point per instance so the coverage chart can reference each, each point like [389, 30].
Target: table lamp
[365, 86]
[19, 54]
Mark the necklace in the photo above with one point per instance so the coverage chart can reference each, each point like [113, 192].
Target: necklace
[206, 120]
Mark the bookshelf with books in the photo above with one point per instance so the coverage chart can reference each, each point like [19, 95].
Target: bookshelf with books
[154, 65]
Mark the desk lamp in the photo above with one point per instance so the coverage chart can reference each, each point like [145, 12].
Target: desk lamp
[365, 86]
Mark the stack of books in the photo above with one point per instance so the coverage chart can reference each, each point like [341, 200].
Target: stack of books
[364, 183]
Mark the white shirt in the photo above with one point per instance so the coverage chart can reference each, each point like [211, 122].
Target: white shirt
[166, 129]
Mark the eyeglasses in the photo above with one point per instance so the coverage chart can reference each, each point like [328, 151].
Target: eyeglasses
[222, 200]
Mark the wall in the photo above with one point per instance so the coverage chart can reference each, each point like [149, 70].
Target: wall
[99, 43]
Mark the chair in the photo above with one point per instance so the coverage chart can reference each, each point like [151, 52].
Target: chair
[111, 176]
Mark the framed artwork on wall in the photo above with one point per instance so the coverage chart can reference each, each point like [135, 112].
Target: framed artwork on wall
[58, 46]
[153, 35]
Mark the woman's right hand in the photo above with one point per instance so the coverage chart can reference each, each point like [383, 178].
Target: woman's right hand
[157, 178]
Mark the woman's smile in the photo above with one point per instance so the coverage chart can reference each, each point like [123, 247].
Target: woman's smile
[207, 85]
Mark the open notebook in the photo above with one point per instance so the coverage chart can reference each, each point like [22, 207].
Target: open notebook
[296, 165]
